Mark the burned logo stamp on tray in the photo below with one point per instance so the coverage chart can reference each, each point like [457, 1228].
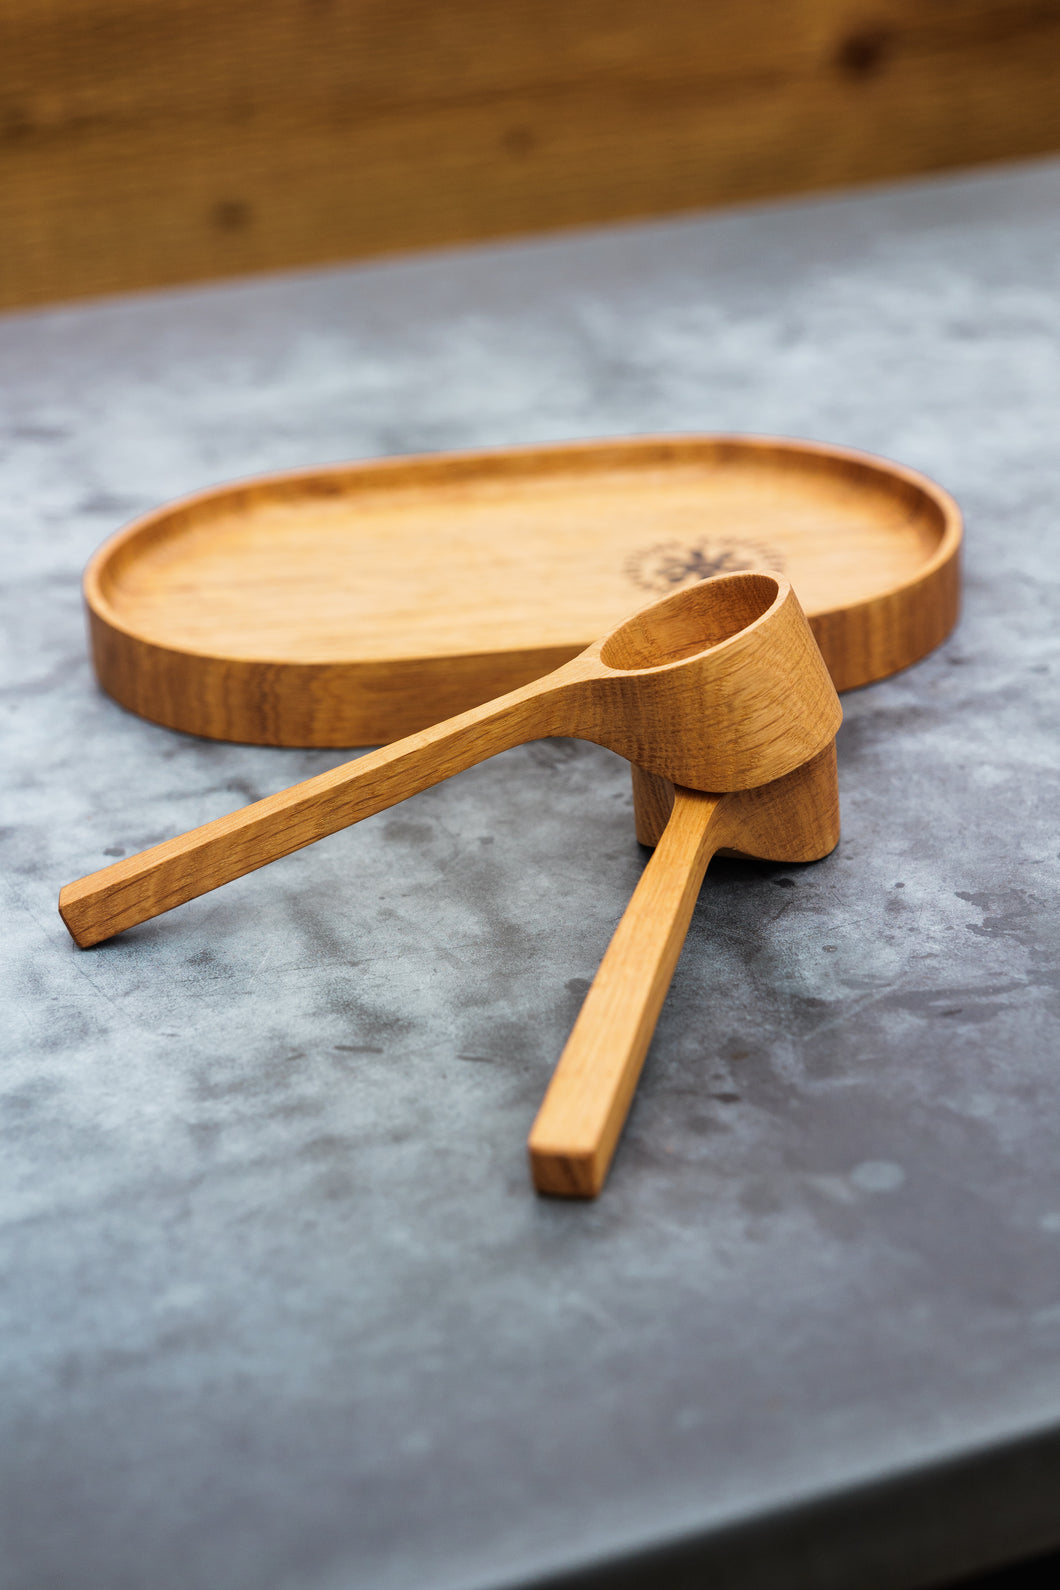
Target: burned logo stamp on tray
[669, 565]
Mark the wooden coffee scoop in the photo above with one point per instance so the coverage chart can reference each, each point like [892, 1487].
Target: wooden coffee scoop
[720, 687]
[793, 818]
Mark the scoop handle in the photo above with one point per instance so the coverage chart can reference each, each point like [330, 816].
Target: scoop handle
[143, 886]
[578, 1126]
[794, 818]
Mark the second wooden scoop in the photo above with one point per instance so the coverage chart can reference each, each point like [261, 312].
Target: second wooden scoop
[791, 819]
[695, 689]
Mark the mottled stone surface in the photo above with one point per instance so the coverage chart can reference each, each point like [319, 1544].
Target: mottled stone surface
[279, 1309]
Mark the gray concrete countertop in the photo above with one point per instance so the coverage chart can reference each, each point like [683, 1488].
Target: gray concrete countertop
[280, 1311]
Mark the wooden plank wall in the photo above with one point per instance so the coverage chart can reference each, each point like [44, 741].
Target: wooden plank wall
[145, 142]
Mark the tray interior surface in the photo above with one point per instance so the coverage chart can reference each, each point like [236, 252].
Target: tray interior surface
[469, 560]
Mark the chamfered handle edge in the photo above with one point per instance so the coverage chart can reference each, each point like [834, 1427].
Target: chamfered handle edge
[137, 888]
[574, 1136]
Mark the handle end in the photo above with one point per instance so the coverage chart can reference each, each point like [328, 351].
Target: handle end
[80, 916]
[565, 1173]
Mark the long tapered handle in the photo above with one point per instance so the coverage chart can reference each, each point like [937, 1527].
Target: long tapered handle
[142, 886]
[574, 1136]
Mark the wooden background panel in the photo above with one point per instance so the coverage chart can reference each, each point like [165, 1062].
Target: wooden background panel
[145, 142]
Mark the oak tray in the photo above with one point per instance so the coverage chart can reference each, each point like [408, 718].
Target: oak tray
[357, 603]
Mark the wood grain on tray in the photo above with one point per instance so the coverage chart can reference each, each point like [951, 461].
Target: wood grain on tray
[358, 603]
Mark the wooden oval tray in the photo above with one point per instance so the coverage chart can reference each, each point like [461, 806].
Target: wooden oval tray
[353, 604]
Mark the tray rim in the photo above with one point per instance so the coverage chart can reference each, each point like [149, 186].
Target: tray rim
[134, 667]
[154, 519]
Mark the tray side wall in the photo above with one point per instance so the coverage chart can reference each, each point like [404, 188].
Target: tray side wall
[351, 703]
[302, 704]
